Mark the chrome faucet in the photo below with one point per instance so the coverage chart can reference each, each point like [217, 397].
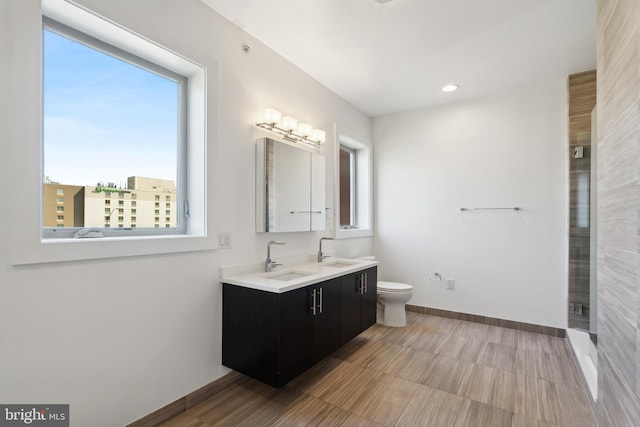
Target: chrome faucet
[320, 255]
[269, 264]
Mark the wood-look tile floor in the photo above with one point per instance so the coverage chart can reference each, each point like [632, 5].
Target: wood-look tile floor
[435, 372]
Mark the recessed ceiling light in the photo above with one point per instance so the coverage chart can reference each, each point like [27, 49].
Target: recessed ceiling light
[450, 88]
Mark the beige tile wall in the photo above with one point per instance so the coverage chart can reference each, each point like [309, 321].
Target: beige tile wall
[618, 26]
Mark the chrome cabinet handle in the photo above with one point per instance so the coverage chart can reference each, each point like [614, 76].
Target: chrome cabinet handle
[366, 282]
[320, 306]
[313, 304]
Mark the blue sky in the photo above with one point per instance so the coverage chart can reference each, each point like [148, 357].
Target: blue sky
[105, 119]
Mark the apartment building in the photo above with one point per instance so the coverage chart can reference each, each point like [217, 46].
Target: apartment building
[63, 205]
[146, 202]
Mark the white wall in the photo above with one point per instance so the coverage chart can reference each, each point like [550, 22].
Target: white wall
[119, 338]
[499, 151]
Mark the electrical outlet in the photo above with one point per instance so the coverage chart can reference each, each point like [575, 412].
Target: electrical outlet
[451, 284]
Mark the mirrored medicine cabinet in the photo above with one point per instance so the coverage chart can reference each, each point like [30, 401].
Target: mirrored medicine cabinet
[290, 187]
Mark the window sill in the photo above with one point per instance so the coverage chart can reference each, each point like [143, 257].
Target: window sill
[353, 233]
[64, 250]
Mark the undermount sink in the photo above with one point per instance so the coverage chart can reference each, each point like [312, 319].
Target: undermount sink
[289, 275]
[339, 264]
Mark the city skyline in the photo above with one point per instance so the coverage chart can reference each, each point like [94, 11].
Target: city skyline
[105, 118]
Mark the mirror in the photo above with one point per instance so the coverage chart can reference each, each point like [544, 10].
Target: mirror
[289, 187]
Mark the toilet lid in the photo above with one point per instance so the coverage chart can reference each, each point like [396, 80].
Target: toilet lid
[394, 287]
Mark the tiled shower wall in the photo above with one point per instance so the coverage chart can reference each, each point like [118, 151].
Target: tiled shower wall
[618, 47]
[582, 100]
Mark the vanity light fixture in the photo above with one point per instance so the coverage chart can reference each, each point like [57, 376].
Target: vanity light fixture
[288, 127]
[450, 87]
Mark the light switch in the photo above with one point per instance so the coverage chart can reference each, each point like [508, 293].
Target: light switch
[224, 240]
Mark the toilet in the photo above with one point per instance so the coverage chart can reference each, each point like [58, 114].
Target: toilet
[392, 297]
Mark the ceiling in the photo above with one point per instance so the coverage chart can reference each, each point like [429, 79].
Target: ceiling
[390, 56]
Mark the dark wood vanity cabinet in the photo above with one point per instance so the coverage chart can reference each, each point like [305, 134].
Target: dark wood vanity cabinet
[359, 298]
[274, 337]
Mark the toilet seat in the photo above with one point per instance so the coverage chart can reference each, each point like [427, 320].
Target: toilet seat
[394, 287]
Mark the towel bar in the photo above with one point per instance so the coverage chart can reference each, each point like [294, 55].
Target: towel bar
[515, 208]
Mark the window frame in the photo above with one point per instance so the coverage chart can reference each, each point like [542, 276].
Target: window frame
[361, 193]
[25, 101]
[182, 83]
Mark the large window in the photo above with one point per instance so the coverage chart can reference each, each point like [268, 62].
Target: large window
[113, 123]
[192, 206]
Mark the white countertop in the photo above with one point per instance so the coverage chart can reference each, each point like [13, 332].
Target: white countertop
[299, 275]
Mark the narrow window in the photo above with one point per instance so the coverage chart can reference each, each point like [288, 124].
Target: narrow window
[347, 187]
[353, 189]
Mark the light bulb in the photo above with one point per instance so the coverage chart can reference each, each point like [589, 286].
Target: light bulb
[319, 136]
[289, 123]
[305, 129]
[272, 116]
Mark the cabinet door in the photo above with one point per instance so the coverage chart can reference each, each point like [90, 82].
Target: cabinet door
[369, 299]
[350, 294]
[249, 334]
[296, 334]
[327, 319]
